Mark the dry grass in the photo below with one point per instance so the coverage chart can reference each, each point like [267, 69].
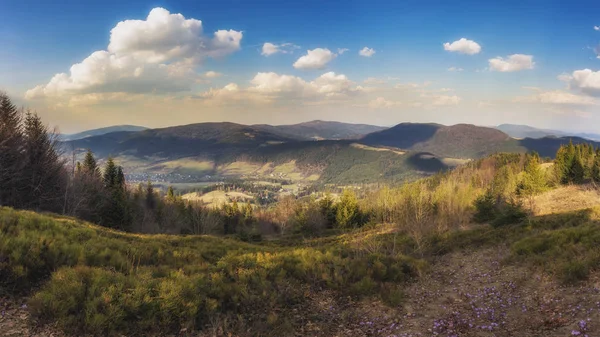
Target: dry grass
[217, 198]
[378, 149]
[567, 198]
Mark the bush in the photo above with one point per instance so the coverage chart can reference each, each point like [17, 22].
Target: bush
[511, 212]
[104, 282]
[485, 208]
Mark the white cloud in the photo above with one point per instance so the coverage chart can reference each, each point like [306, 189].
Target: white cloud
[515, 62]
[585, 80]
[270, 86]
[342, 50]
[155, 55]
[315, 59]
[463, 46]
[366, 52]
[382, 103]
[269, 49]
[455, 69]
[558, 97]
[445, 100]
[212, 74]
[596, 27]
[285, 48]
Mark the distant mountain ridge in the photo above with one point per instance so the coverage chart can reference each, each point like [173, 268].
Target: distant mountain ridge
[526, 131]
[318, 130]
[230, 149]
[103, 131]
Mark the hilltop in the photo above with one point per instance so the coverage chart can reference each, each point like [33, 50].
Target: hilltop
[320, 130]
[102, 131]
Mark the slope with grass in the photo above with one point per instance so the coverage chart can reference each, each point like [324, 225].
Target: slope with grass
[478, 280]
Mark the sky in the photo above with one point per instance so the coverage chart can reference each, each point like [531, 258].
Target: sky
[88, 64]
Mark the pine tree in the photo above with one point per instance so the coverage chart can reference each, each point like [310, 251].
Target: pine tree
[576, 170]
[120, 177]
[347, 210]
[595, 172]
[170, 194]
[11, 153]
[110, 174]
[44, 171]
[150, 201]
[534, 177]
[90, 166]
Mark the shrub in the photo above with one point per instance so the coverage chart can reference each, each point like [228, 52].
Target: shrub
[485, 208]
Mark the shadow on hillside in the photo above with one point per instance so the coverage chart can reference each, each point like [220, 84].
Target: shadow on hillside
[403, 135]
[426, 162]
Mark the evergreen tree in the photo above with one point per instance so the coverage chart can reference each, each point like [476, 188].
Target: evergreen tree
[534, 178]
[120, 177]
[170, 194]
[45, 178]
[576, 173]
[347, 214]
[11, 153]
[90, 167]
[327, 207]
[150, 201]
[595, 171]
[110, 174]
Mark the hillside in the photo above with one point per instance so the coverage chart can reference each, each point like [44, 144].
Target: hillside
[103, 131]
[203, 139]
[319, 130]
[461, 140]
[228, 150]
[469, 282]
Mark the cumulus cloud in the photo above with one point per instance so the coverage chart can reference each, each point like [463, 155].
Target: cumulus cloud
[315, 59]
[455, 69]
[596, 27]
[515, 62]
[585, 81]
[158, 54]
[382, 103]
[270, 86]
[366, 52]
[285, 48]
[212, 74]
[463, 46]
[342, 50]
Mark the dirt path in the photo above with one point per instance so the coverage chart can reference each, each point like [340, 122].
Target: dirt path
[14, 321]
[473, 294]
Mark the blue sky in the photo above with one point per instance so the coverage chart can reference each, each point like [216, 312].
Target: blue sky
[405, 79]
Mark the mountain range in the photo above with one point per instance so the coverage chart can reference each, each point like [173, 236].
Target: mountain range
[525, 131]
[332, 152]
